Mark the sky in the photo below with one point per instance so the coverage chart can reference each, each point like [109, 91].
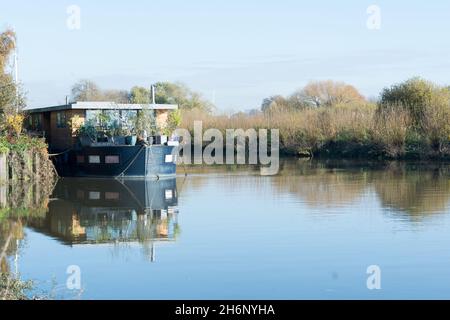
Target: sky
[234, 52]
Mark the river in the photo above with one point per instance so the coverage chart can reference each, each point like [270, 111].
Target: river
[225, 232]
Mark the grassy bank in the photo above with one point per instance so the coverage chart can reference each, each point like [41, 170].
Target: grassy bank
[363, 131]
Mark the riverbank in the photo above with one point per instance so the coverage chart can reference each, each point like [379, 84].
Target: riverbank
[25, 158]
[346, 131]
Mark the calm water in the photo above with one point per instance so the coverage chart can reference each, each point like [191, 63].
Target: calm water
[227, 232]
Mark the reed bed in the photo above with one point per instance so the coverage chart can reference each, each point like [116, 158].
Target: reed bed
[363, 131]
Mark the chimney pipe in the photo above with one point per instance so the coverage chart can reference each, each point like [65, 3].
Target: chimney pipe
[153, 93]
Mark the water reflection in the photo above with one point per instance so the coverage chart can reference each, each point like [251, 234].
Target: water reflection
[87, 211]
[332, 217]
[102, 211]
[18, 204]
[415, 190]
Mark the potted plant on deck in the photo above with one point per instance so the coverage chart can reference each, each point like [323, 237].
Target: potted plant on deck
[145, 125]
[130, 138]
[87, 134]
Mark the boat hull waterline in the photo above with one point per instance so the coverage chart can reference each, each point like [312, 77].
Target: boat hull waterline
[127, 162]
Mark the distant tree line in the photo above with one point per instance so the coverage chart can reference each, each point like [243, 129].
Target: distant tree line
[166, 93]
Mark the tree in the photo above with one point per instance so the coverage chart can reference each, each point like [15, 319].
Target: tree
[166, 93]
[139, 95]
[177, 93]
[12, 97]
[86, 90]
[117, 96]
[274, 103]
[7, 45]
[416, 95]
[327, 94]
[146, 122]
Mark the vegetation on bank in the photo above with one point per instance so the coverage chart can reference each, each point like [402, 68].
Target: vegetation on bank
[23, 152]
[328, 119]
[324, 118]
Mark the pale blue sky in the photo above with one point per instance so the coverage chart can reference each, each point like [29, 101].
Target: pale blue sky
[237, 52]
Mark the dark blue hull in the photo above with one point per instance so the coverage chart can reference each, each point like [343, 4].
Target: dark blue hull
[135, 162]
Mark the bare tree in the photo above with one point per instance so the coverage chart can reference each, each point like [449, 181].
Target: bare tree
[7, 45]
[328, 93]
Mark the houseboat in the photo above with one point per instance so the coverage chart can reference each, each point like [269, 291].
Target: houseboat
[101, 139]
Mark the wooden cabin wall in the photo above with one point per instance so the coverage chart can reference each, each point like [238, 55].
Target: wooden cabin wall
[63, 138]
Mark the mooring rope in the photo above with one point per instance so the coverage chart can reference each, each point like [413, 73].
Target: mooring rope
[122, 174]
[58, 154]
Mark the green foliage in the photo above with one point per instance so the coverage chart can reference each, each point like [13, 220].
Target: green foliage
[139, 95]
[173, 121]
[146, 122]
[14, 289]
[88, 129]
[416, 95]
[21, 144]
[177, 93]
[166, 93]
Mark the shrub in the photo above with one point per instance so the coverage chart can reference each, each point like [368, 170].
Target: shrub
[419, 97]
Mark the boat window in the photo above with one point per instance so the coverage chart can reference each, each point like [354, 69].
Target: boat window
[168, 194]
[112, 159]
[80, 159]
[169, 158]
[94, 159]
[94, 195]
[112, 196]
[61, 121]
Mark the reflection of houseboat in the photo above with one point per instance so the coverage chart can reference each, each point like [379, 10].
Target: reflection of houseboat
[87, 154]
[109, 211]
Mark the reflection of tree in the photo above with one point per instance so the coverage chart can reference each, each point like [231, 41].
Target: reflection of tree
[10, 231]
[319, 184]
[415, 189]
[18, 203]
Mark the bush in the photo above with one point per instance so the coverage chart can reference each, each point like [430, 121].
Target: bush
[421, 98]
[12, 288]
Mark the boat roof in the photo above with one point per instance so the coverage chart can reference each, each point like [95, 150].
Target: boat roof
[103, 105]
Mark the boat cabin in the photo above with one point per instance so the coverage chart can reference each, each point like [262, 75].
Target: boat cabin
[60, 124]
